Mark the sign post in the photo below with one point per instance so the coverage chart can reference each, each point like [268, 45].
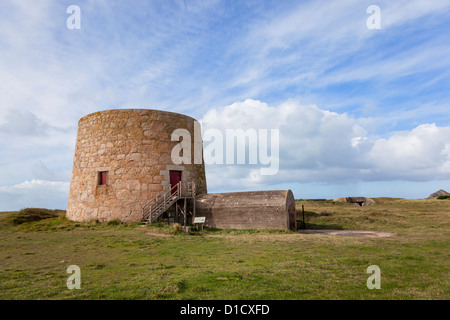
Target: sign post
[303, 214]
[199, 221]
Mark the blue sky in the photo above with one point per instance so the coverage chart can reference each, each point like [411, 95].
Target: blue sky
[360, 111]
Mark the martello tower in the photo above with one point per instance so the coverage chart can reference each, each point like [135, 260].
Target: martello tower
[123, 159]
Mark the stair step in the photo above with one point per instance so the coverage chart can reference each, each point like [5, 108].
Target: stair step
[163, 201]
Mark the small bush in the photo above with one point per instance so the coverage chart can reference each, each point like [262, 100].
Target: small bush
[114, 222]
[443, 197]
[176, 227]
[34, 214]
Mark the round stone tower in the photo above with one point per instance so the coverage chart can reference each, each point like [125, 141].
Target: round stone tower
[124, 158]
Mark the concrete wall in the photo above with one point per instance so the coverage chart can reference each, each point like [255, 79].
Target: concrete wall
[248, 210]
[362, 201]
[134, 146]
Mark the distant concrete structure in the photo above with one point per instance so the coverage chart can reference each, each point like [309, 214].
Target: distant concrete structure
[362, 201]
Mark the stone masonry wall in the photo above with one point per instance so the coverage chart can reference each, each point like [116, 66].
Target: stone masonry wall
[134, 147]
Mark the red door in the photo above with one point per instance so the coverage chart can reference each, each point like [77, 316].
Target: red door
[175, 177]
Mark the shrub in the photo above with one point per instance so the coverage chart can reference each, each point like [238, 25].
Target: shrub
[443, 197]
[34, 214]
[176, 227]
[114, 222]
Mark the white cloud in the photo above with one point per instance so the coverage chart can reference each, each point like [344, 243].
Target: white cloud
[33, 148]
[321, 146]
[34, 193]
[400, 12]
[419, 154]
[23, 123]
[42, 172]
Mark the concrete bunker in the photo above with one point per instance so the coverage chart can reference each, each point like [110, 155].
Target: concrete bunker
[248, 210]
[361, 201]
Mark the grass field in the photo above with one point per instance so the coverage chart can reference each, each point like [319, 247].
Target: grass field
[129, 261]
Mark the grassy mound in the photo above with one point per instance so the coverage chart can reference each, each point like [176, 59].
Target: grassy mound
[46, 220]
[34, 214]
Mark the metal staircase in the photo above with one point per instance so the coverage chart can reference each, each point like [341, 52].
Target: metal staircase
[164, 200]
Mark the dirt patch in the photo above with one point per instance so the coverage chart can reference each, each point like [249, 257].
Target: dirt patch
[156, 234]
[358, 233]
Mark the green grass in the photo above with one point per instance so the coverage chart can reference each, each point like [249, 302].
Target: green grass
[129, 261]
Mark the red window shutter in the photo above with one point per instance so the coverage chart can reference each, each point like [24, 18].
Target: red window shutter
[103, 178]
